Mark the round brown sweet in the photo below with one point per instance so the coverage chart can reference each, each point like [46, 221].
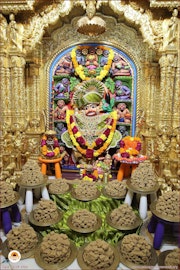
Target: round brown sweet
[86, 189]
[22, 238]
[123, 215]
[55, 248]
[144, 176]
[136, 249]
[98, 255]
[84, 219]
[58, 187]
[45, 211]
[168, 204]
[31, 174]
[172, 259]
[116, 188]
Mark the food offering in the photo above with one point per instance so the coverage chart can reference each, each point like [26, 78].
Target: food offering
[31, 175]
[23, 239]
[56, 251]
[99, 255]
[143, 179]
[45, 214]
[115, 189]
[169, 258]
[85, 191]
[8, 196]
[58, 186]
[167, 206]
[136, 251]
[84, 221]
[123, 218]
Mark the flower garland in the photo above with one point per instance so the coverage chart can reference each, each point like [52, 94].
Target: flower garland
[79, 69]
[99, 145]
[130, 146]
[49, 153]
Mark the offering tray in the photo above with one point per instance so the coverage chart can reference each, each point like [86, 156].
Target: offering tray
[57, 266]
[83, 265]
[162, 257]
[133, 266]
[17, 196]
[45, 224]
[83, 198]
[136, 224]
[6, 250]
[84, 230]
[140, 190]
[161, 215]
[110, 196]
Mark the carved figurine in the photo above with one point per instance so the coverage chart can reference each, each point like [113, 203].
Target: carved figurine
[62, 88]
[120, 67]
[122, 91]
[92, 59]
[50, 145]
[64, 66]
[60, 110]
[124, 114]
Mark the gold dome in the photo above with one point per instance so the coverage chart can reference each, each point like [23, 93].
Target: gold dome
[91, 27]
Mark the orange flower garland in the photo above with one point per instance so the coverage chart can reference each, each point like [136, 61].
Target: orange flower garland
[130, 146]
[99, 145]
[49, 153]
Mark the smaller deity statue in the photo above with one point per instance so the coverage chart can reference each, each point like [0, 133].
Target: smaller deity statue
[104, 58]
[60, 128]
[103, 167]
[62, 88]
[50, 145]
[92, 59]
[120, 67]
[123, 112]
[64, 66]
[122, 91]
[60, 110]
[80, 57]
[123, 131]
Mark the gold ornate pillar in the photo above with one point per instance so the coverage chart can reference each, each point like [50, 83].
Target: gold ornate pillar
[17, 85]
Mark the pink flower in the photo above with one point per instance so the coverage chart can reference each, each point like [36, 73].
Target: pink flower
[125, 155]
[138, 147]
[71, 119]
[43, 142]
[122, 144]
[99, 142]
[89, 153]
[80, 140]
[74, 130]
[56, 143]
[106, 132]
[50, 154]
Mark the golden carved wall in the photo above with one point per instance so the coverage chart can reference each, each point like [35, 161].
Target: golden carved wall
[33, 34]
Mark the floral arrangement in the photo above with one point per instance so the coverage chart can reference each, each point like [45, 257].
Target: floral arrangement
[79, 69]
[130, 147]
[100, 144]
[50, 153]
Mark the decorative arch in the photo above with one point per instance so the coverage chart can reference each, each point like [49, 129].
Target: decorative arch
[130, 82]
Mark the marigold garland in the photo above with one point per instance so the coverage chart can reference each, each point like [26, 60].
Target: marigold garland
[79, 69]
[48, 153]
[101, 143]
[130, 146]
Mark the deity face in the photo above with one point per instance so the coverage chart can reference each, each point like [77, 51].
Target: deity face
[61, 103]
[121, 106]
[91, 109]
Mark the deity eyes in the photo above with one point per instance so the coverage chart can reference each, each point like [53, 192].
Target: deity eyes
[90, 106]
